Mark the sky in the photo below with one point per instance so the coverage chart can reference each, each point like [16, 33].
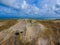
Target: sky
[30, 7]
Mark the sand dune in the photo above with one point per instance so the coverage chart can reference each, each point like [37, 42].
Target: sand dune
[30, 32]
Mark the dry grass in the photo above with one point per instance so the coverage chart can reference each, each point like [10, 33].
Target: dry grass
[30, 32]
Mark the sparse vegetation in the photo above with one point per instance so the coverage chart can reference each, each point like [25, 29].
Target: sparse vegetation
[31, 32]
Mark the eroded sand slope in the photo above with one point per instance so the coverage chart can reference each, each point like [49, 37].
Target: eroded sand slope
[30, 32]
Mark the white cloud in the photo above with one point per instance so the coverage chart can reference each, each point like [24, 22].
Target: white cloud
[58, 2]
[12, 3]
[24, 5]
[36, 10]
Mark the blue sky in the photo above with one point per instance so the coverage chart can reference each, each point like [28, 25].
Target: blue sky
[30, 9]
